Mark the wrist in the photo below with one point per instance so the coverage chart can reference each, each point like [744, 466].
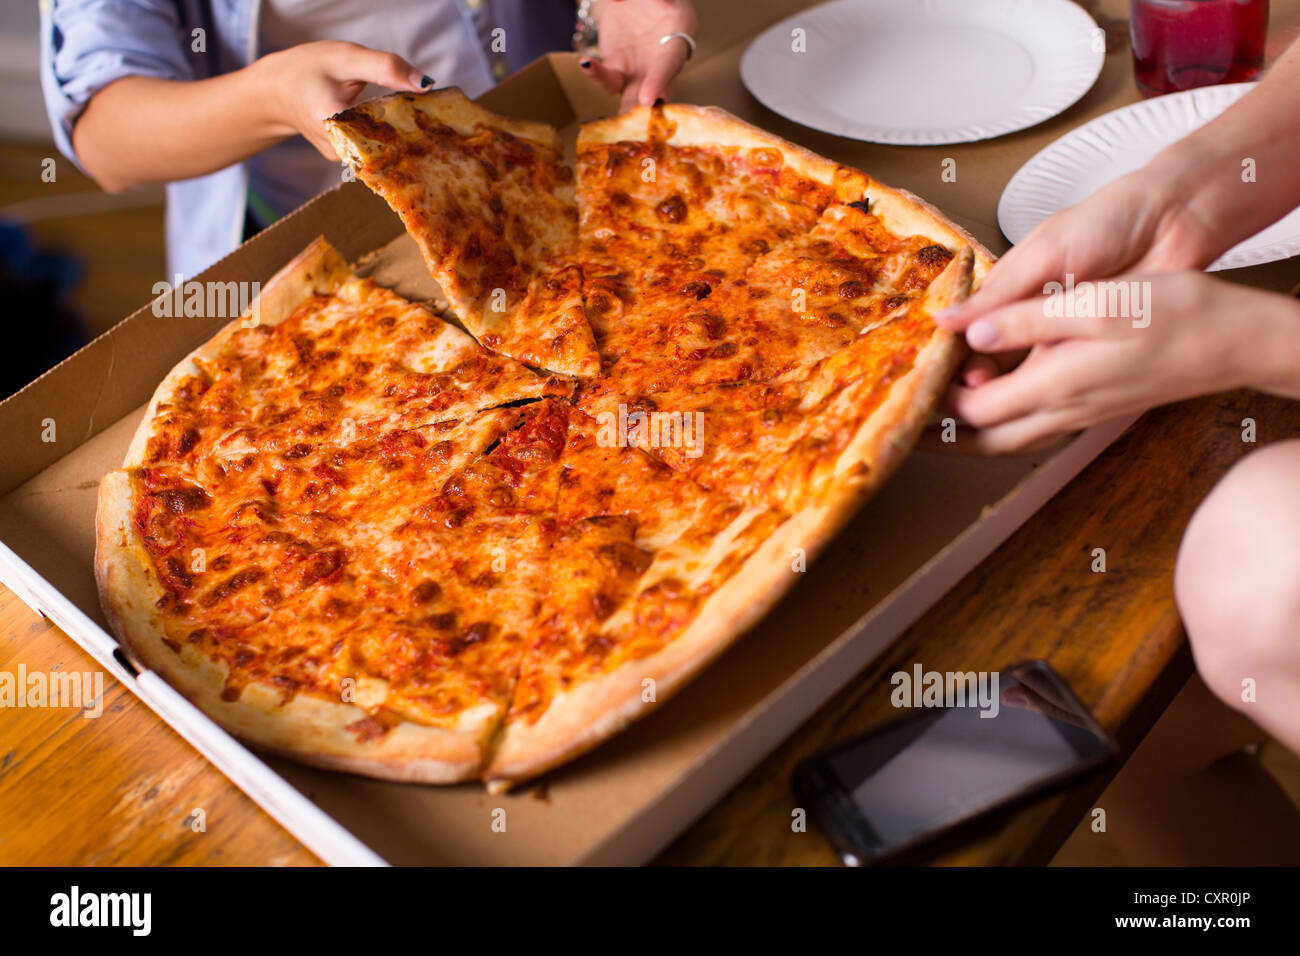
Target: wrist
[264, 86]
[1201, 179]
[1172, 187]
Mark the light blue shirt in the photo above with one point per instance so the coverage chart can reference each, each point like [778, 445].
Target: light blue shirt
[88, 44]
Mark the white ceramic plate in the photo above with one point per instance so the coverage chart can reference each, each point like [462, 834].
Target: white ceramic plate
[1083, 160]
[925, 72]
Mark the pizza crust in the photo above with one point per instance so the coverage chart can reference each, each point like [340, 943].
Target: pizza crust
[709, 127]
[306, 728]
[887, 437]
[906, 214]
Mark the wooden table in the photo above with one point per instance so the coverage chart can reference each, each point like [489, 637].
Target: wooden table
[122, 789]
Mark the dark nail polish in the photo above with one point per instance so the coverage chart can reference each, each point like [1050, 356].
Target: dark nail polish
[660, 101]
[584, 63]
[426, 81]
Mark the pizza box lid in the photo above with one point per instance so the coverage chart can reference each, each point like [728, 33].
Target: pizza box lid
[932, 523]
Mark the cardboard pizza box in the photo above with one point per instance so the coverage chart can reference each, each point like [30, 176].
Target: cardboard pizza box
[933, 522]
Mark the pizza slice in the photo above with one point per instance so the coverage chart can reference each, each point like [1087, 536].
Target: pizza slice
[641, 592]
[845, 276]
[324, 357]
[816, 432]
[675, 200]
[473, 553]
[803, 301]
[306, 600]
[489, 201]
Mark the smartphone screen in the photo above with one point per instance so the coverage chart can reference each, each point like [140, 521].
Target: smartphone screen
[944, 765]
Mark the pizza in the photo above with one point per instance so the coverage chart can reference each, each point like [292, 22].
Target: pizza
[472, 546]
[490, 204]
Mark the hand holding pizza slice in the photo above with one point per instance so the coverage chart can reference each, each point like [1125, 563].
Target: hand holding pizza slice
[489, 202]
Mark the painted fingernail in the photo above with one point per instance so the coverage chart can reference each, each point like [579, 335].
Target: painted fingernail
[982, 334]
[585, 64]
[426, 81]
[660, 101]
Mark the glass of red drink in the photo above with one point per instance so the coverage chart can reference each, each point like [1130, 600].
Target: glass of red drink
[1180, 44]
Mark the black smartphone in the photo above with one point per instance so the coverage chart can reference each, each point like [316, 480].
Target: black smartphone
[976, 745]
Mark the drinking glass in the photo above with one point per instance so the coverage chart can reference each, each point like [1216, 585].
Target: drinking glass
[1180, 44]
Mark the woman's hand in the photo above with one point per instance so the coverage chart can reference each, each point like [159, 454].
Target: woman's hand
[1196, 199]
[632, 61]
[307, 83]
[1135, 224]
[225, 119]
[1181, 334]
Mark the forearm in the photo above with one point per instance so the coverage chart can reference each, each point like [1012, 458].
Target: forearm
[142, 130]
[1268, 348]
[1239, 172]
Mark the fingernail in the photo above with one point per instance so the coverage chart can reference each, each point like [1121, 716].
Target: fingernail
[660, 101]
[982, 335]
[585, 64]
[426, 81]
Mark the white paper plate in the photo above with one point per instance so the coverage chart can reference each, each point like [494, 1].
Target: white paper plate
[924, 72]
[1084, 160]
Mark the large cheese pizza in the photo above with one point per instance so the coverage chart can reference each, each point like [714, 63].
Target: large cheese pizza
[439, 548]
